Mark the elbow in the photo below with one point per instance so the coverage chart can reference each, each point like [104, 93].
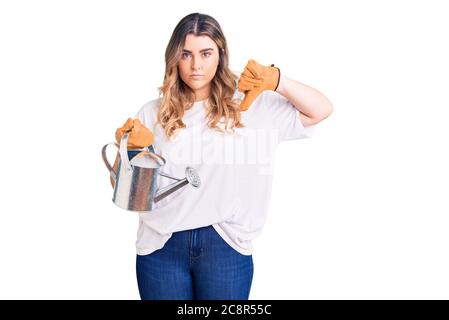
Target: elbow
[329, 110]
[326, 111]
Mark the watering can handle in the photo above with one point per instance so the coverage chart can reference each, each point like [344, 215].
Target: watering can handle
[123, 150]
[108, 165]
[106, 162]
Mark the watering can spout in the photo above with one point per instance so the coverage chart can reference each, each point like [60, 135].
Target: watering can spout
[191, 177]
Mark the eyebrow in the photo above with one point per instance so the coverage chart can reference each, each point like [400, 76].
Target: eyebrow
[188, 51]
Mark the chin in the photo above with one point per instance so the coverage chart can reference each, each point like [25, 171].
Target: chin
[197, 85]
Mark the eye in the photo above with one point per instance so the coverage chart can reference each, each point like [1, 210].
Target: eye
[184, 53]
[207, 54]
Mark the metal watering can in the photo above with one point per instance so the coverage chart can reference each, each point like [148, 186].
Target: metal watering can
[136, 180]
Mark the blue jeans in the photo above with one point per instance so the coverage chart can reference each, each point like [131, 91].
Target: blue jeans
[195, 264]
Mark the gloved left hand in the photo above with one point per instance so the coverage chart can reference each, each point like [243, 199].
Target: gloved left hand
[255, 79]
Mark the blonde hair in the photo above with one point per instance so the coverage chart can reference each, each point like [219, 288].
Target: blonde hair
[178, 97]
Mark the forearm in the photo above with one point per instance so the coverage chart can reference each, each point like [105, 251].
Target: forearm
[307, 100]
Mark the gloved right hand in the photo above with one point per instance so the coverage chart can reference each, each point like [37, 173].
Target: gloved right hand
[139, 135]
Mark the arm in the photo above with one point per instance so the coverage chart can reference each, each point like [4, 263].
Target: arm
[311, 103]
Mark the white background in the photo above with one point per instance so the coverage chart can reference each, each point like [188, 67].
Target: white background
[360, 211]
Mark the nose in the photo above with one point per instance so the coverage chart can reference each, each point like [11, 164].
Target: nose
[196, 63]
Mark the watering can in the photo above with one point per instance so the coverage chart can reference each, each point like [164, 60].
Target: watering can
[136, 184]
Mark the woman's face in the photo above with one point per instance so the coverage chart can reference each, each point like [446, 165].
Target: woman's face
[200, 56]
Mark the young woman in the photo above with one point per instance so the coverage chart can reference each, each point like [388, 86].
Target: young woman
[197, 242]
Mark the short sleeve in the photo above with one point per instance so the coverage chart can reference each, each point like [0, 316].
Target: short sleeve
[147, 114]
[285, 117]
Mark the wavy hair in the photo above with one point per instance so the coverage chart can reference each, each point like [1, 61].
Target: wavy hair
[178, 97]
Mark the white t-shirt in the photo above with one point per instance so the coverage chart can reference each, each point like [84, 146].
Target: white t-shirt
[235, 169]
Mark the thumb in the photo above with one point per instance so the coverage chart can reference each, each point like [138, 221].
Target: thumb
[248, 100]
[137, 124]
[129, 124]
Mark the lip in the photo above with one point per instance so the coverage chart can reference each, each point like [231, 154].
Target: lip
[197, 75]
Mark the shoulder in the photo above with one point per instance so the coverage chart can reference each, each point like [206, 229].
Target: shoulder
[147, 114]
[270, 97]
[267, 100]
[264, 98]
[238, 95]
[150, 107]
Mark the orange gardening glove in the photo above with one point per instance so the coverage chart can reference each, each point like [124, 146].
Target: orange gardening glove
[139, 135]
[255, 79]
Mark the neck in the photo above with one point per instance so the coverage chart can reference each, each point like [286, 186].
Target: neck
[202, 94]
